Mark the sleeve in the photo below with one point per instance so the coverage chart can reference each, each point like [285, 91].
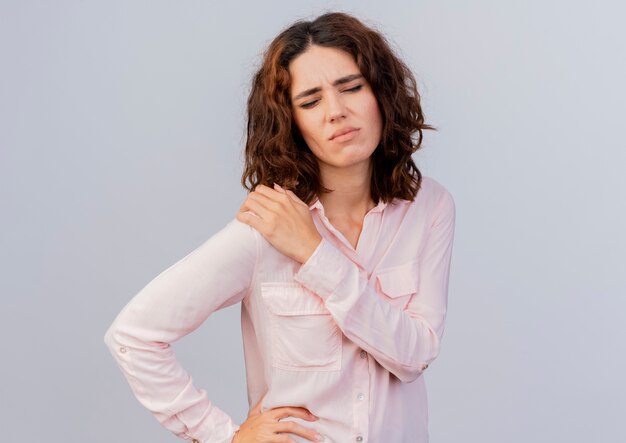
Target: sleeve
[402, 341]
[215, 275]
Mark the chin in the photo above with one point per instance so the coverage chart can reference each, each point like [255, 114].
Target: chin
[350, 161]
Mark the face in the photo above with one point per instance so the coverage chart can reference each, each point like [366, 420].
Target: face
[330, 96]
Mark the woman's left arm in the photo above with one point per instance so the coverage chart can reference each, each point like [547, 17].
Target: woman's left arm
[403, 341]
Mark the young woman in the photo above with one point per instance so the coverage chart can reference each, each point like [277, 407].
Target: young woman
[340, 257]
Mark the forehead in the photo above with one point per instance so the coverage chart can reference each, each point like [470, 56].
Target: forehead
[320, 65]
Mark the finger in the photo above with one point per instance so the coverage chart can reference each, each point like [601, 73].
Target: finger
[261, 205]
[271, 193]
[281, 438]
[271, 198]
[278, 195]
[278, 188]
[292, 411]
[295, 198]
[296, 428]
[250, 219]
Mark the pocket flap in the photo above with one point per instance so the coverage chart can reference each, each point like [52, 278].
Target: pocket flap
[287, 298]
[400, 280]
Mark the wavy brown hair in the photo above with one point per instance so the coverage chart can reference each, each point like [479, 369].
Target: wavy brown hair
[275, 151]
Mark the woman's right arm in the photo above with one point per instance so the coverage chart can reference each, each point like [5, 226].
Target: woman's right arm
[215, 275]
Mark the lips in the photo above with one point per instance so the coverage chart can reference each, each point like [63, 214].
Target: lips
[342, 131]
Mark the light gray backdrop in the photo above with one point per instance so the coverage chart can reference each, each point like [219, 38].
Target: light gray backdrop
[121, 134]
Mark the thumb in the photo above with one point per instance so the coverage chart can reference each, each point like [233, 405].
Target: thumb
[256, 410]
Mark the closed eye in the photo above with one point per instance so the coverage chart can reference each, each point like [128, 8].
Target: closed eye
[308, 104]
[355, 88]
[312, 103]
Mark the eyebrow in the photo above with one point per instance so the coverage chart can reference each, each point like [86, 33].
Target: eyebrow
[339, 81]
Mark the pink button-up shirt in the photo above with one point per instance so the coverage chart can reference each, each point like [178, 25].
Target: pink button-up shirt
[347, 334]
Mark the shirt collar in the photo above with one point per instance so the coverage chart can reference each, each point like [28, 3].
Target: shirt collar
[318, 204]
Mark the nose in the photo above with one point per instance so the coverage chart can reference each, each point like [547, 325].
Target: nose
[335, 107]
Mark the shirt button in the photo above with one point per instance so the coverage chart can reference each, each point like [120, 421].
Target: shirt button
[195, 440]
[361, 396]
[359, 438]
[424, 366]
[122, 349]
[363, 354]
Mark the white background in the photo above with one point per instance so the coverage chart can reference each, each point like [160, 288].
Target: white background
[121, 132]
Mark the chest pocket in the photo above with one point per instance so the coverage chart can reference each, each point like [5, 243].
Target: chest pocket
[303, 333]
[396, 284]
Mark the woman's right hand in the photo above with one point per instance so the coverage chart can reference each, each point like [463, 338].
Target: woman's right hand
[266, 428]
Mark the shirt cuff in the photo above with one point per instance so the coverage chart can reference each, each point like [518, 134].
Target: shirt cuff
[324, 270]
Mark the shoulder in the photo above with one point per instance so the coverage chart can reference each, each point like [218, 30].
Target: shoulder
[440, 199]
[433, 201]
[434, 188]
[239, 232]
[232, 236]
[431, 194]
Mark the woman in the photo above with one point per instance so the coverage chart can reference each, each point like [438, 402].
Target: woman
[342, 272]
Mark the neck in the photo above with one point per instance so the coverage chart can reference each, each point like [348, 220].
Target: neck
[351, 197]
